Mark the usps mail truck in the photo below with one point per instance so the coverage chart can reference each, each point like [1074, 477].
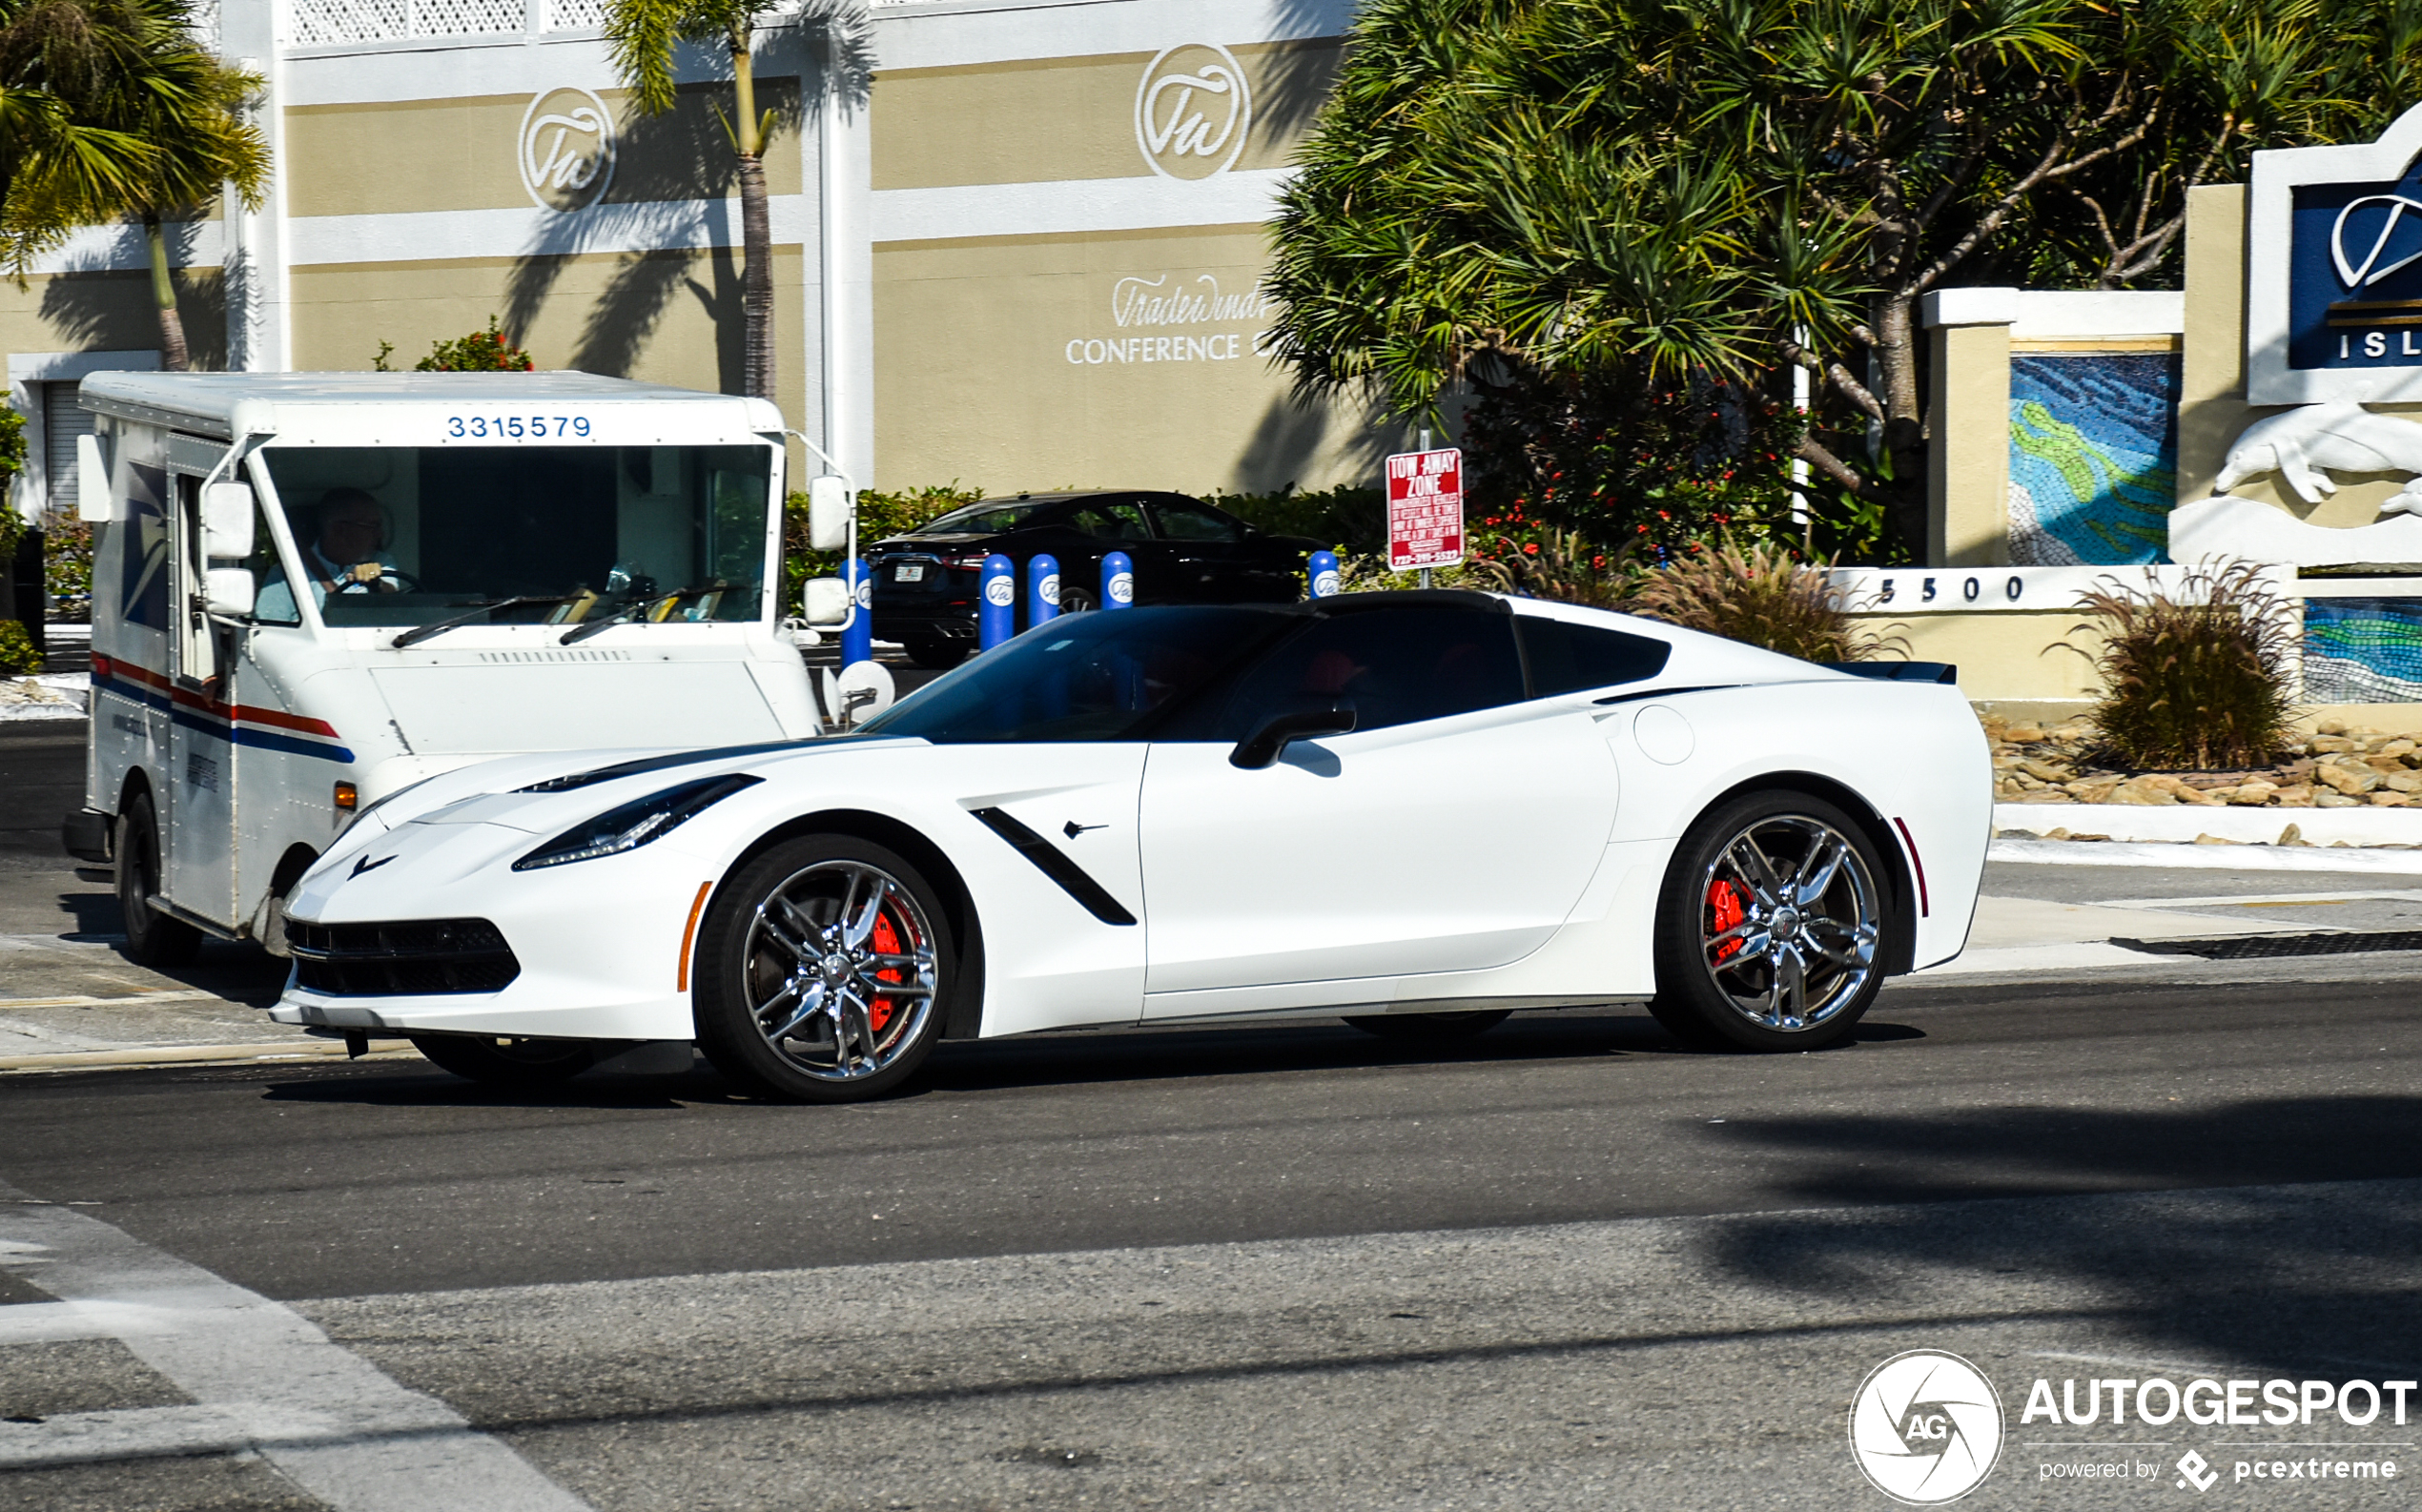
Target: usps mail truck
[314, 589]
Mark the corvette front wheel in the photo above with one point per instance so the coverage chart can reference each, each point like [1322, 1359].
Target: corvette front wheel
[823, 971]
[1771, 931]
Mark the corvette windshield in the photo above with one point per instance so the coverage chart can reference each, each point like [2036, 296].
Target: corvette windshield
[1087, 677]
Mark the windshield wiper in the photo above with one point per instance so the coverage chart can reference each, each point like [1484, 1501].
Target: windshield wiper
[422, 632]
[624, 615]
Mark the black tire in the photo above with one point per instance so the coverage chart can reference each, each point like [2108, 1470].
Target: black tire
[498, 1061]
[866, 1042]
[153, 938]
[936, 656]
[1836, 941]
[1078, 601]
[1429, 1025]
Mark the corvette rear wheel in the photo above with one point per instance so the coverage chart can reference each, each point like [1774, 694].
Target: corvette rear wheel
[503, 1061]
[1770, 931]
[823, 971]
[1429, 1025]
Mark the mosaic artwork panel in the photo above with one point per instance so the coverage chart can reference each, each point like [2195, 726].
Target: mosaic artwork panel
[2093, 456]
[2363, 650]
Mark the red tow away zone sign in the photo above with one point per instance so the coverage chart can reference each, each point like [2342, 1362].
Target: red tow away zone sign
[1425, 509]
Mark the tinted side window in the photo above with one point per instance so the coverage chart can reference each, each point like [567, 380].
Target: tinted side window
[1111, 522]
[1566, 657]
[1193, 523]
[1394, 665]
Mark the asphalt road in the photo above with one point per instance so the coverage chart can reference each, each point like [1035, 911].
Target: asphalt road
[1560, 1265]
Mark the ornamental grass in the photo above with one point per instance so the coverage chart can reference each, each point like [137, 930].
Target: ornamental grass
[2194, 681]
[1759, 596]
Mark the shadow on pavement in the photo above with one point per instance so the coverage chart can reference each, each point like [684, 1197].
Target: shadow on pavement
[2205, 1275]
[1079, 1058]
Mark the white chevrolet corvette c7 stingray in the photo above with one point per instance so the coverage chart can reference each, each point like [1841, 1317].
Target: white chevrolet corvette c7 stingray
[1417, 811]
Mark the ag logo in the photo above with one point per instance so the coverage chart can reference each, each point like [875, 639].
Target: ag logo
[1000, 591]
[1048, 590]
[1123, 588]
[1925, 1427]
[566, 150]
[1326, 584]
[1192, 111]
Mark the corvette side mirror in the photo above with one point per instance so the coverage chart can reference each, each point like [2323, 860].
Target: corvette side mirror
[1262, 747]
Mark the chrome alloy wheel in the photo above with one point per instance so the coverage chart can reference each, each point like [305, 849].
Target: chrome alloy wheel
[841, 969]
[1790, 917]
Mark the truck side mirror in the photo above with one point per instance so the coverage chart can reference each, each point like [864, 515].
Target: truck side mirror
[829, 508]
[92, 499]
[227, 521]
[825, 602]
[229, 591]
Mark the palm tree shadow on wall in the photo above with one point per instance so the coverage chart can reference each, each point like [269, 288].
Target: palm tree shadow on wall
[664, 165]
[1288, 442]
[111, 311]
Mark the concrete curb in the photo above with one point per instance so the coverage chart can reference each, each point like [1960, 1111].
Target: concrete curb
[2206, 858]
[2171, 824]
[200, 1054]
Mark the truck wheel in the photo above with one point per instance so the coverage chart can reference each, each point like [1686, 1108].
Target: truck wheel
[501, 1062]
[153, 938]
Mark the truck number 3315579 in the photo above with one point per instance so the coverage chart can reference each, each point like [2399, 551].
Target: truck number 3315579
[515, 427]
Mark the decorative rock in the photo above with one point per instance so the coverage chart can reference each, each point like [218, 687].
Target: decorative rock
[2335, 801]
[2047, 771]
[2215, 840]
[2404, 782]
[2348, 779]
[2141, 794]
[2389, 800]
[2331, 727]
[2253, 795]
[2293, 835]
[2329, 745]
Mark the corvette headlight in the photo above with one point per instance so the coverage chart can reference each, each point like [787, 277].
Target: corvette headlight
[635, 823]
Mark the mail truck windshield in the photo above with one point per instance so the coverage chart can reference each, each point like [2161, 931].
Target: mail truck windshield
[406, 536]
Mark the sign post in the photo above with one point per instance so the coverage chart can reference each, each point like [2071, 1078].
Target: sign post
[1425, 510]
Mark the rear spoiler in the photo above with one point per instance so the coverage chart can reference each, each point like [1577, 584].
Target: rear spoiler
[1898, 671]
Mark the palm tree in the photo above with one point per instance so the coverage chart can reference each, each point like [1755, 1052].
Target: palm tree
[184, 107]
[52, 162]
[644, 35]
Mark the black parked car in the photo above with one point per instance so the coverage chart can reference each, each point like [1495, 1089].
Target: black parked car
[1185, 551]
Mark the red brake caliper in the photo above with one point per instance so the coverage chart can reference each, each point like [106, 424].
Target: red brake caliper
[886, 942]
[1724, 900]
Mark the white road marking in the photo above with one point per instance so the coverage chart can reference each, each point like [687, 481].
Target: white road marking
[262, 1378]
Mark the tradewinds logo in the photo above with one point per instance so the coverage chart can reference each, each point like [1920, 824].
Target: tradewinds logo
[566, 150]
[1925, 1427]
[1192, 111]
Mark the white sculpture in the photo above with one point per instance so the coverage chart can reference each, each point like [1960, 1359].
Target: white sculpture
[2304, 446]
[2340, 436]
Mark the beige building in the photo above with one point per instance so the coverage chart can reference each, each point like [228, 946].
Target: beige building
[1017, 245]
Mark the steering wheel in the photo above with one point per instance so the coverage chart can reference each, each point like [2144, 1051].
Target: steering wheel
[406, 582]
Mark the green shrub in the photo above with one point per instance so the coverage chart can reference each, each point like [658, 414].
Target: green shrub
[17, 653]
[1761, 597]
[1348, 520]
[2197, 682]
[481, 352]
[67, 568]
[1557, 564]
[879, 515]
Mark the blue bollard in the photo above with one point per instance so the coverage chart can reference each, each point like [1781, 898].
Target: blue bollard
[1042, 590]
[857, 637]
[997, 616]
[1320, 572]
[1117, 580]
